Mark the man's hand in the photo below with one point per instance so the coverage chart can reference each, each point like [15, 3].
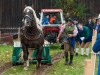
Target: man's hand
[57, 40]
[70, 35]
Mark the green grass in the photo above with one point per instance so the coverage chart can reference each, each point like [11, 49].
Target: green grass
[76, 69]
[18, 70]
[57, 69]
[5, 54]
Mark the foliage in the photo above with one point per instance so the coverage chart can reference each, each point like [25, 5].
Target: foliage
[71, 7]
[80, 10]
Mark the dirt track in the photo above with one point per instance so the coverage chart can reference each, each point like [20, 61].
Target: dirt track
[41, 71]
[45, 68]
[5, 67]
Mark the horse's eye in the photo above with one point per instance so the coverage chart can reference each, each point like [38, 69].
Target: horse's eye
[22, 20]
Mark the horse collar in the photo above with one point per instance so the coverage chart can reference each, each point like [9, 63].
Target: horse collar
[32, 36]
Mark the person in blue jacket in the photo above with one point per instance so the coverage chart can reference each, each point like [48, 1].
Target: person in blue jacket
[96, 46]
[45, 20]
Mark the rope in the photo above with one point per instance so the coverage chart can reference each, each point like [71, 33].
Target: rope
[4, 36]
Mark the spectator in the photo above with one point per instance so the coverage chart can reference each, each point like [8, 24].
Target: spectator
[86, 38]
[45, 20]
[77, 39]
[97, 26]
[90, 24]
[53, 20]
[96, 46]
[70, 32]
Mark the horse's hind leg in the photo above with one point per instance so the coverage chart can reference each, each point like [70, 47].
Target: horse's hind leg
[39, 57]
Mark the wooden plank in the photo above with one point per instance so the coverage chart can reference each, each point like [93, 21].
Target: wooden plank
[18, 34]
[88, 67]
[90, 63]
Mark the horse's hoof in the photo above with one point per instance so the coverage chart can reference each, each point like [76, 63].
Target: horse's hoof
[37, 67]
[49, 64]
[25, 68]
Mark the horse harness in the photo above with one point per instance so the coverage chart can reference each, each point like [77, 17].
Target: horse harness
[31, 36]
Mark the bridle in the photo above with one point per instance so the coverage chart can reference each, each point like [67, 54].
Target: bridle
[29, 21]
[30, 36]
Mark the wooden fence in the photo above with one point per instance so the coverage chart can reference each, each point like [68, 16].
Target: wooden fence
[11, 11]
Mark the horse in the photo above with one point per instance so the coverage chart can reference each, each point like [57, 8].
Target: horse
[32, 36]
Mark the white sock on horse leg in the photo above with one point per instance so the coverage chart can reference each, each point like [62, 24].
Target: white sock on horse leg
[27, 62]
[30, 53]
[87, 51]
[82, 51]
[77, 50]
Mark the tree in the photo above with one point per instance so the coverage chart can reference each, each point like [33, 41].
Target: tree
[71, 7]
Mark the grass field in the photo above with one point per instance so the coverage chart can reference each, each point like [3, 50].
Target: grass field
[57, 69]
[76, 69]
[5, 54]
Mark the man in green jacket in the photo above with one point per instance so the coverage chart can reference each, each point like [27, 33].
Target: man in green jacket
[86, 38]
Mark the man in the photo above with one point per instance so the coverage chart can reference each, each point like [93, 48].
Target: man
[45, 20]
[86, 38]
[70, 31]
[97, 26]
[96, 46]
[90, 24]
[77, 39]
[53, 20]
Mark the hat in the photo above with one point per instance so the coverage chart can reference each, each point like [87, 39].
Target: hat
[70, 20]
[75, 19]
[46, 14]
[98, 19]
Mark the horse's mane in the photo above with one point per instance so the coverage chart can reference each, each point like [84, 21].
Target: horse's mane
[37, 20]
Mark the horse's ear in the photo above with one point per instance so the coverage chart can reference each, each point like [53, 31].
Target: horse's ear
[25, 5]
[32, 6]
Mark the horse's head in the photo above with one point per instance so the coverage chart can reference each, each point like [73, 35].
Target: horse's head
[30, 17]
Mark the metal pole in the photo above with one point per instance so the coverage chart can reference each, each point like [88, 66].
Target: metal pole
[94, 63]
[99, 65]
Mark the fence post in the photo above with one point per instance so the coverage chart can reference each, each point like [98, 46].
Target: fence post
[90, 63]
[18, 34]
[99, 65]
[0, 35]
[93, 55]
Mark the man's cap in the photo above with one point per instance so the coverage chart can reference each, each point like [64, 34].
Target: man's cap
[46, 14]
[75, 19]
[70, 20]
[98, 19]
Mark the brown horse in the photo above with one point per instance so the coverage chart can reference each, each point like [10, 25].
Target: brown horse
[32, 36]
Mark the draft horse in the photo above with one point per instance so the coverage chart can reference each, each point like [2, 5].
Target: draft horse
[32, 36]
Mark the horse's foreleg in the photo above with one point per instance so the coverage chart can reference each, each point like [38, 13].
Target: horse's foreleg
[30, 50]
[26, 64]
[39, 57]
[25, 56]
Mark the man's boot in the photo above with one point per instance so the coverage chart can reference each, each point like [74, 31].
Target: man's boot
[66, 58]
[71, 59]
